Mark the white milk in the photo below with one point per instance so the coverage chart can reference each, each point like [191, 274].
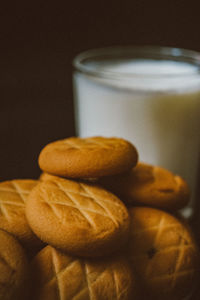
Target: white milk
[159, 113]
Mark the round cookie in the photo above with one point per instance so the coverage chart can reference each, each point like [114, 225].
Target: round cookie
[82, 219]
[13, 197]
[88, 157]
[151, 186]
[13, 268]
[163, 253]
[60, 276]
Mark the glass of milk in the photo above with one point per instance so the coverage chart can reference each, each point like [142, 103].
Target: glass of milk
[148, 95]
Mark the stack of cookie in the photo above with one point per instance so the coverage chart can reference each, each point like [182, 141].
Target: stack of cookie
[107, 225]
[84, 225]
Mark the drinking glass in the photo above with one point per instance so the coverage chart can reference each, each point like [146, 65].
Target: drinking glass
[147, 95]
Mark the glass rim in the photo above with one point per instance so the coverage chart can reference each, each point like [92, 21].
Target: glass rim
[143, 52]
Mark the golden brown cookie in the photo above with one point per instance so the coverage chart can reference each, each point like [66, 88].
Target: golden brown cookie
[164, 254]
[82, 219]
[13, 197]
[151, 186]
[13, 268]
[60, 276]
[88, 157]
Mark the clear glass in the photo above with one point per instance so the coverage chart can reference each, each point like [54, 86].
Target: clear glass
[148, 95]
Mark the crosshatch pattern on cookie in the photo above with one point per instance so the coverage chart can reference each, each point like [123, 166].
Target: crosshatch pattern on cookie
[80, 198]
[179, 251]
[13, 196]
[89, 278]
[82, 219]
[87, 144]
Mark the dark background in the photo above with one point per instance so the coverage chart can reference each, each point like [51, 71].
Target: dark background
[38, 43]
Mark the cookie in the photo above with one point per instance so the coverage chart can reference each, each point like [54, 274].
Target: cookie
[60, 276]
[82, 219]
[13, 268]
[88, 157]
[151, 186]
[13, 197]
[163, 253]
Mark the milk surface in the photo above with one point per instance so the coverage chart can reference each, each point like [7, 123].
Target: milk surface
[154, 104]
